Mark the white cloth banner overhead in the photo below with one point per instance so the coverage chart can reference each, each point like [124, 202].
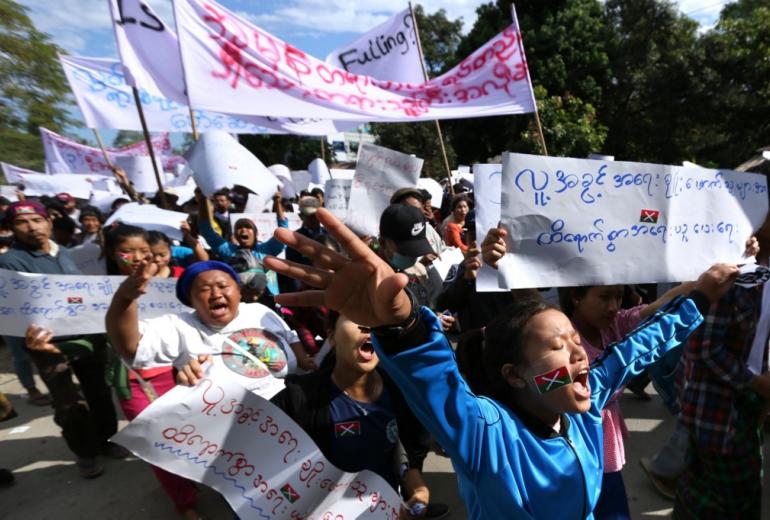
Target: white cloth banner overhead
[219, 161]
[586, 222]
[233, 66]
[72, 304]
[149, 216]
[486, 189]
[140, 172]
[37, 185]
[337, 196]
[149, 52]
[106, 101]
[64, 155]
[12, 173]
[379, 172]
[226, 437]
[387, 52]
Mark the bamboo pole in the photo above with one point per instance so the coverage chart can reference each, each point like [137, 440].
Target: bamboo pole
[149, 146]
[438, 126]
[101, 146]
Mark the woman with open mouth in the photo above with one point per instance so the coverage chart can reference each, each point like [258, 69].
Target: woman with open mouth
[532, 447]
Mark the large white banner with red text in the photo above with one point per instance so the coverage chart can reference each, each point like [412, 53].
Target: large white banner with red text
[233, 66]
[64, 155]
[222, 435]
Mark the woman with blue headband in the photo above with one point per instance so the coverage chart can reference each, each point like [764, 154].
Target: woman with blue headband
[253, 340]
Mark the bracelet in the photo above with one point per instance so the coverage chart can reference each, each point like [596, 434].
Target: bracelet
[399, 329]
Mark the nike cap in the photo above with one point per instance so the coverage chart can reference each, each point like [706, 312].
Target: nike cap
[405, 225]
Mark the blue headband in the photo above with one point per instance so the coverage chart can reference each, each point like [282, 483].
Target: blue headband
[184, 283]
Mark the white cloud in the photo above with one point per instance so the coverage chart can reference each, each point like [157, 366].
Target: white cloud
[70, 22]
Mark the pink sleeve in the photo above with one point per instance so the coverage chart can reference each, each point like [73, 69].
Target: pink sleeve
[627, 320]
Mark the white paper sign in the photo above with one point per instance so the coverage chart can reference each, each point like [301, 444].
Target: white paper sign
[319, 172]
[149, 216]
[486, 189]
[449, 257]
[337, 195]
[9, 192]
[140, 172]
[434, 188]
[301, 179]
[72, 304]
[266, 222]
[79, 186]
[219, 161]
[220, 434]
[585, 222]
[379, 172]
[233, 66]
[388, 52]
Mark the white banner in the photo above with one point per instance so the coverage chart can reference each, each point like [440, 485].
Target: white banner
[106, 101]
[379, 172]
[586, 222]
[140, 172]
[63, 155]
[337, 196]
[149, 216]
[12, 173]
[218, 161]
[72, 304]
[233, 66]
[434, 188]
[266, 223]
[79, 186]
[220, 434]
[486, 190]
[387, 52]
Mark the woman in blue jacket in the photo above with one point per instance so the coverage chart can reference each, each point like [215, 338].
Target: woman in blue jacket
[533, 448]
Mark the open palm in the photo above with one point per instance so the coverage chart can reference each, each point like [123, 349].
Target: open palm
[361, 286]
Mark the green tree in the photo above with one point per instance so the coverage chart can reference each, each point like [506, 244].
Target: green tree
[294, 151]
[735, 67]
[569, 125]
[126, 137]
[652, 102]
[565, 44]
[440, 37]
[33, 89]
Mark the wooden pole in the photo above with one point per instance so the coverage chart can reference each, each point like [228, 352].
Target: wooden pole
[192, 122]
[323, 149]
[540, 132]
[101, 146]
[438, 126]
[149, 146]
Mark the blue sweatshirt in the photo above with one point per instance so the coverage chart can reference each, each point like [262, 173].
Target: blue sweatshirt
[505, 468]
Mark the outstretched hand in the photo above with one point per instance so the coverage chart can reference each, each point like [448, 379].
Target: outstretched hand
[135, 285]
[717, 280]
[361, 286]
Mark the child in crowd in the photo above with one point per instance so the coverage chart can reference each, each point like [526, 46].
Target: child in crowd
[125, 249]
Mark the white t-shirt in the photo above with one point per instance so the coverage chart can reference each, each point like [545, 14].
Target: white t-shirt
[178, 338]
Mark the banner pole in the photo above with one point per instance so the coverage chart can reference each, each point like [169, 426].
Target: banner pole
[534, 101]
[103, 149]
[323, 150]
[149, 147]
[192, 121]
[438, 126]
[184, 75]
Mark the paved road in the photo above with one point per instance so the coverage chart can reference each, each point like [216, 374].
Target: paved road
[48, 485]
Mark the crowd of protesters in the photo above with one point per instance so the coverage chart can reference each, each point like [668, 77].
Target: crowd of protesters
[519, 389]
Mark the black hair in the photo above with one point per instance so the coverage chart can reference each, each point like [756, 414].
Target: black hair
[118, 202]
[223, 191]
[114, 236]
[90, 211]
[460, 198]
[567, 296]
[316, 191]
[65, 223]
[483, 352]
[156, 237]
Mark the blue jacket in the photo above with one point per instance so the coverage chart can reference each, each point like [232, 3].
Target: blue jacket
[507, 468]
[226, 250]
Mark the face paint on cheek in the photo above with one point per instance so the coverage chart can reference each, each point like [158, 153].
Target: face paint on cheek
[126, 258]
[552, 380]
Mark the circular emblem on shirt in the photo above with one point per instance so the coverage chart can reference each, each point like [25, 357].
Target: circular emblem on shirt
[392, 431]
[259, 344]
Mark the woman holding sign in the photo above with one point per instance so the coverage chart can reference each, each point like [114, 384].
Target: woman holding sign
[522, 451]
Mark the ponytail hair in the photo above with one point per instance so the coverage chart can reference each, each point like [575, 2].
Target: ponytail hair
[482, 353]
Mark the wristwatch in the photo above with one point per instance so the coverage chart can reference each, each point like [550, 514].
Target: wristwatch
[399, 329]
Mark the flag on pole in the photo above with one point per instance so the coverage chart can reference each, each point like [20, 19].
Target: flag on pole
[387, 52]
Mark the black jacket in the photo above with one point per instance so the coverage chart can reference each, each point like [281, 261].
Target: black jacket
[307, 398]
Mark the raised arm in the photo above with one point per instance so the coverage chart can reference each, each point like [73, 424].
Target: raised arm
[122, 319]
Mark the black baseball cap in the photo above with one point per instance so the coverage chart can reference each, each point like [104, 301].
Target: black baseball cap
[405, 225]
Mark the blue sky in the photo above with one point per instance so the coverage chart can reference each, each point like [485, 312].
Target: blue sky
[83, 27]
